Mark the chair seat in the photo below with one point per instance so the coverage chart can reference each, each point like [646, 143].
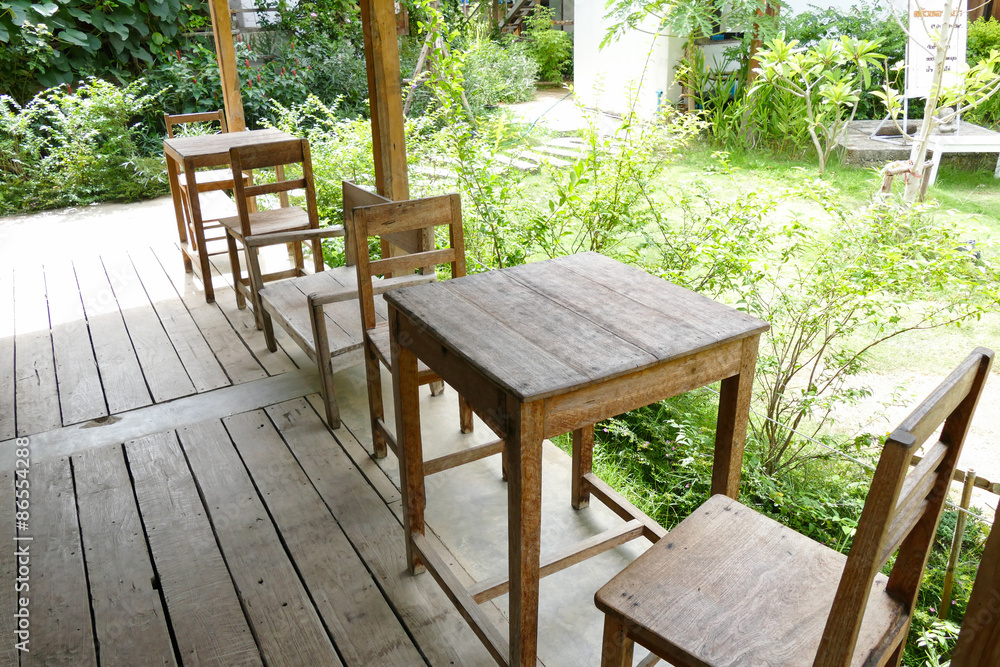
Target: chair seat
[380, 340]
[758, 591]
[269, 222]
[213, 179]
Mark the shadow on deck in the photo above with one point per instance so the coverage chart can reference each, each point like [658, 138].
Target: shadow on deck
[189, 505]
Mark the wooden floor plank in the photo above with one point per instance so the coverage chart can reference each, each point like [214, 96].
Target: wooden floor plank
[286, 625]
[121, 375]
[61, 631]
[288, 355]
[7, 422]
[358, 618]
[81, 397]
[162, 367]
[35, 393]
[199, 360]
[130, 624]
[204, 611]
[440, 632]
[8, 567]
[236, 358]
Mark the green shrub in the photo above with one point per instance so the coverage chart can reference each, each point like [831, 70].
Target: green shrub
[553, 49]
[984, 36]
[76, 146]
[496, 73]
[867, 20]
[43, 44]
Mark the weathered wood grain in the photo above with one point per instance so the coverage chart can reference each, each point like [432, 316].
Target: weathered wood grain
[8, 564]
[236, 358]
[361, 622]
[130, 624]
[442, 635]
[204, 610]
[59, 603]
[164, 372]
[202, 366]
[81, 396]
[124, 385]
[286, 625]
[35, 393]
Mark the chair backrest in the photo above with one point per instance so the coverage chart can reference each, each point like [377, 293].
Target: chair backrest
[183, 118]
[903, 509]
[979, 641]
[276, 154]
[354, 197]
[405, 225]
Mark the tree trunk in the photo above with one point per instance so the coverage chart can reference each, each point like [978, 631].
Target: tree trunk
[918, 152]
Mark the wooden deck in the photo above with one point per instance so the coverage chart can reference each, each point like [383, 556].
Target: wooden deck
[188, 505]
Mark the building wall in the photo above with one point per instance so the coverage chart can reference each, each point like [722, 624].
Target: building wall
[603, 78]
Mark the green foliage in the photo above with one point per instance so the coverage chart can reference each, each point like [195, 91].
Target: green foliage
[69, 147]
[695, 18]
[829, 77]
[312, 20]
[282, 71]
[497, 73]
[551, 48]
[984, 36]
[48, 43]
[607, 197]
[867, 20]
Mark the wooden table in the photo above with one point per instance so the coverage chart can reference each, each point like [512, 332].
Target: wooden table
[187, 154]
[544, 349]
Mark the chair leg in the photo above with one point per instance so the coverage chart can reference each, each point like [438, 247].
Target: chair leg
[375, 409]
[253, 259]
[272, 344]
[317, 252]
[437, 387]
[234, 267]
[329, 397]
[617, 647]
[583, 458]
[300, 262]
[464, 415]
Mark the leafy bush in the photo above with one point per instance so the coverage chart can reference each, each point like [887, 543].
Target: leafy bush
[48, 43]
[281, 71]
[496, 73]
[77, 146]
[867, 20]
[552, 49]
[984, 36]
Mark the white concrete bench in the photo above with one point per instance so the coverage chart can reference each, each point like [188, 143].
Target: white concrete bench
[974, 143]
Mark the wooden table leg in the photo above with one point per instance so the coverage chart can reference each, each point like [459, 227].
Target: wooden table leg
[731, 429]
[408, 443]
[175, 194]
[524, 506]
[194, 206]
[583, 461]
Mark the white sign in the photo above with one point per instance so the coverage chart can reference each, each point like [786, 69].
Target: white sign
[925, 21]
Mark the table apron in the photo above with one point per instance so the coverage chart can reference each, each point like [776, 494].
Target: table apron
[589, 405]
[581, 407]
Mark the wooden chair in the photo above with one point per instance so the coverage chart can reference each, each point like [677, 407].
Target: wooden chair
[209, 180]
[979, 641]
[320, 311]
[267, 226]
[729, 586]
[409, 226]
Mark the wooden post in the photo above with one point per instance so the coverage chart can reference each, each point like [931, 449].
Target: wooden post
[956, 545]
[225, 54]
[378, 22]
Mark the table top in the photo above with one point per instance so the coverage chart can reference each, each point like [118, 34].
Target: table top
[546, 328]
[217, 146]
